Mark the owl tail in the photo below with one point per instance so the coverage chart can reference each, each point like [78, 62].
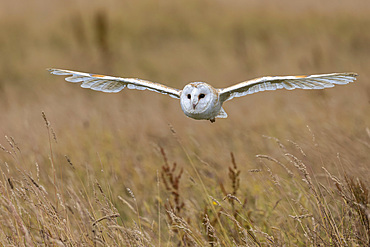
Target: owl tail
[221, 113]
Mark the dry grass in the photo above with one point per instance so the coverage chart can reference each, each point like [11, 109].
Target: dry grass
[85, 168]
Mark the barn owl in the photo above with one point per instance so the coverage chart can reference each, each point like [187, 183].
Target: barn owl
[200, 100]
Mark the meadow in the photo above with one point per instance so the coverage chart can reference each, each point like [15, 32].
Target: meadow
[84, 168]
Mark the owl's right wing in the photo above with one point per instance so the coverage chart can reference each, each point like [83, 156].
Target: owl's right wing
[110, 84]
[287, 82]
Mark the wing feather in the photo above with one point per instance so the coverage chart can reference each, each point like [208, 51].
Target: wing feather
[110, 84]
[287, 82]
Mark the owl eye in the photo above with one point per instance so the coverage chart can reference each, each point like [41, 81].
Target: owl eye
[189, 96]
[201, 96]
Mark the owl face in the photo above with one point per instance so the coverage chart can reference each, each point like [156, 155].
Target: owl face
[199, 100]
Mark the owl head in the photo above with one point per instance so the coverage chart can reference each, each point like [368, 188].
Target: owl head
[198, 99]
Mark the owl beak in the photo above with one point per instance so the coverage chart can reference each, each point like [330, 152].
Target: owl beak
[194, 102]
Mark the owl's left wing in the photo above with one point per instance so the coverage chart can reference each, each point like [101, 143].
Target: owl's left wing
[110, 84]
[287, 82]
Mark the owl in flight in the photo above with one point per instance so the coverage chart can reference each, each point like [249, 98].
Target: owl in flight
[200, 100]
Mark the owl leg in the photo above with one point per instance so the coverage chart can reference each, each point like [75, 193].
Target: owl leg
[212, 120]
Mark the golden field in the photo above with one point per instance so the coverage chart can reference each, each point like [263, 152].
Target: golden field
[84, 168]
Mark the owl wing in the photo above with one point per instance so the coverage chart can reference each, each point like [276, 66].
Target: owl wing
[110, 84]
[287, 82]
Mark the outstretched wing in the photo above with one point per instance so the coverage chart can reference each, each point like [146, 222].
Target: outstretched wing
[110, 84]
[287, 82]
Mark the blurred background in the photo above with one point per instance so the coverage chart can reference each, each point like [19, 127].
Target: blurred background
[219, 42]
[174, 43]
